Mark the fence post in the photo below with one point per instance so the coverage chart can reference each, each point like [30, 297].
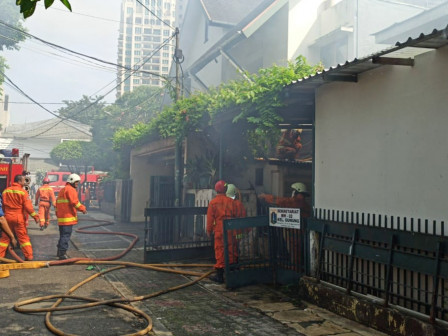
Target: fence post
[389, 269]
[432, 316]
[352, 258]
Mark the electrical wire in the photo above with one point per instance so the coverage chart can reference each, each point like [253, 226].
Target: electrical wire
[66, 50]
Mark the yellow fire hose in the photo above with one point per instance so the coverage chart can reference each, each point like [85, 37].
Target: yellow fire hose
[122, 303]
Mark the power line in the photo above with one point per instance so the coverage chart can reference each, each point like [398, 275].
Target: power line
[76, 52]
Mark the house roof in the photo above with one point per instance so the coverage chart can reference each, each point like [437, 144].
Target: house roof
[249, 20]
[301, 93]
[228, 12]
[49, 129]
[423, 22]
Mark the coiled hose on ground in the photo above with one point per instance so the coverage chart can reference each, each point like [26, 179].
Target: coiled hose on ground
[123, 303]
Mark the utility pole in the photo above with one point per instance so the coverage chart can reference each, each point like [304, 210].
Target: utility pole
[178, 166]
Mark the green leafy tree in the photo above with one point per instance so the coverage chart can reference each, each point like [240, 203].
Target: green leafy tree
[9, 37]
[27, 7]
[86, 110]
[251, 104]
[75, 154]
[40, 175]
[138, 106]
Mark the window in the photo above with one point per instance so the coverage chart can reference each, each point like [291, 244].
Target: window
[136, 59]
[137, 45]
[156, 67]
[129, 10]
[156, 31]
[129, 30]
[138, 20]
[165, 62]
[128, 45]
[146, 21]
[165, 69]
[155, 82]
[156, 38]
[136, 81]
[166, 48]
[165, 54]
[147, 31]
[137, 38]
[127, 61]
[258, 176]
[138, 30]
[166, 32]
[147, 38]
[145, 81]
[127, 52]
[156, 60]
[137, 52]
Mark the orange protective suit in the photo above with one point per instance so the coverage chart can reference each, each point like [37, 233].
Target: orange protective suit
[67, 205]
[220, 208]
[298, 201]
[15, 203]
[47, 199]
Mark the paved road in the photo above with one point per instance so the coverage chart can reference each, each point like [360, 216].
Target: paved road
[202, 309]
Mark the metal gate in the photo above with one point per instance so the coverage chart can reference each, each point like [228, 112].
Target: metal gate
[176, 234]
[265, 254]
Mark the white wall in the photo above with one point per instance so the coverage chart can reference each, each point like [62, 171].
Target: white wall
[381, 143]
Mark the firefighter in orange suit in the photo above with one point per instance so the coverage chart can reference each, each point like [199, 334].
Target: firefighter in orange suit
[67, 205]
[47, 199]
[15, 203]
[297, 199]
[220, 208]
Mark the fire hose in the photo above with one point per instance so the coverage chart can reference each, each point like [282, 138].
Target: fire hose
[122, 303]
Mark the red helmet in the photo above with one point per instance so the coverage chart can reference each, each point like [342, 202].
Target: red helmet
[221, 187]
[46, 180]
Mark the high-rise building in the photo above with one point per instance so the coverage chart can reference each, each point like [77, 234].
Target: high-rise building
[145, 26]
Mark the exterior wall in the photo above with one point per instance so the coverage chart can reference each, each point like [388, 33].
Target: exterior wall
[381, 144]
[332, 32]
[144, 164]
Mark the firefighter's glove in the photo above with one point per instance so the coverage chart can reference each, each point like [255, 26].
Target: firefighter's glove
[42, 228]
[239, 236]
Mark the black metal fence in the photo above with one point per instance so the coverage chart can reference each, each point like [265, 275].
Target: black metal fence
[265, 254]
[175, 234]
[400, 261]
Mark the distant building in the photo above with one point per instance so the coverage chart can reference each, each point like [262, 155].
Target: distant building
[143, 30]
[40, 137]
[4, 110]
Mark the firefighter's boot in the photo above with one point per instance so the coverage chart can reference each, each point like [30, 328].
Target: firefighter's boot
[219, 276]
[62, 255]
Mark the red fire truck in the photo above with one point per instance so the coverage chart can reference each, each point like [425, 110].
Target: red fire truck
[59, 179]
[11, 165]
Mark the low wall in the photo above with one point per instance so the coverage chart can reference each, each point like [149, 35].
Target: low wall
[385, 319]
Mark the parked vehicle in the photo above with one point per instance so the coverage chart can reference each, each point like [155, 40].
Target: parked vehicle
[59, 179]
[11, 164]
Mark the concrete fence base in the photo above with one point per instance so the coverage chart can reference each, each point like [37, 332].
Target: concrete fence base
[374, 315]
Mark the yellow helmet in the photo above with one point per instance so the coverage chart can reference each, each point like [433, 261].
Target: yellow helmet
[299, 187]
[231, 191]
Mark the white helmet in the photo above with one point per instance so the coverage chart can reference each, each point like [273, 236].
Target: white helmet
[72, 178]
[299, 187]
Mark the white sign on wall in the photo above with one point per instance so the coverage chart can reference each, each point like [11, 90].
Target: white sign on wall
[284, 217]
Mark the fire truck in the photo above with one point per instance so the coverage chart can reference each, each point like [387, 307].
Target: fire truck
[59, 179]
[11, 164]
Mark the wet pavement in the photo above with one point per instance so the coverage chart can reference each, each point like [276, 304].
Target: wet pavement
[205, 308]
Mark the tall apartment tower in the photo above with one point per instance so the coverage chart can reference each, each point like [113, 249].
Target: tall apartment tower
[140, 42]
